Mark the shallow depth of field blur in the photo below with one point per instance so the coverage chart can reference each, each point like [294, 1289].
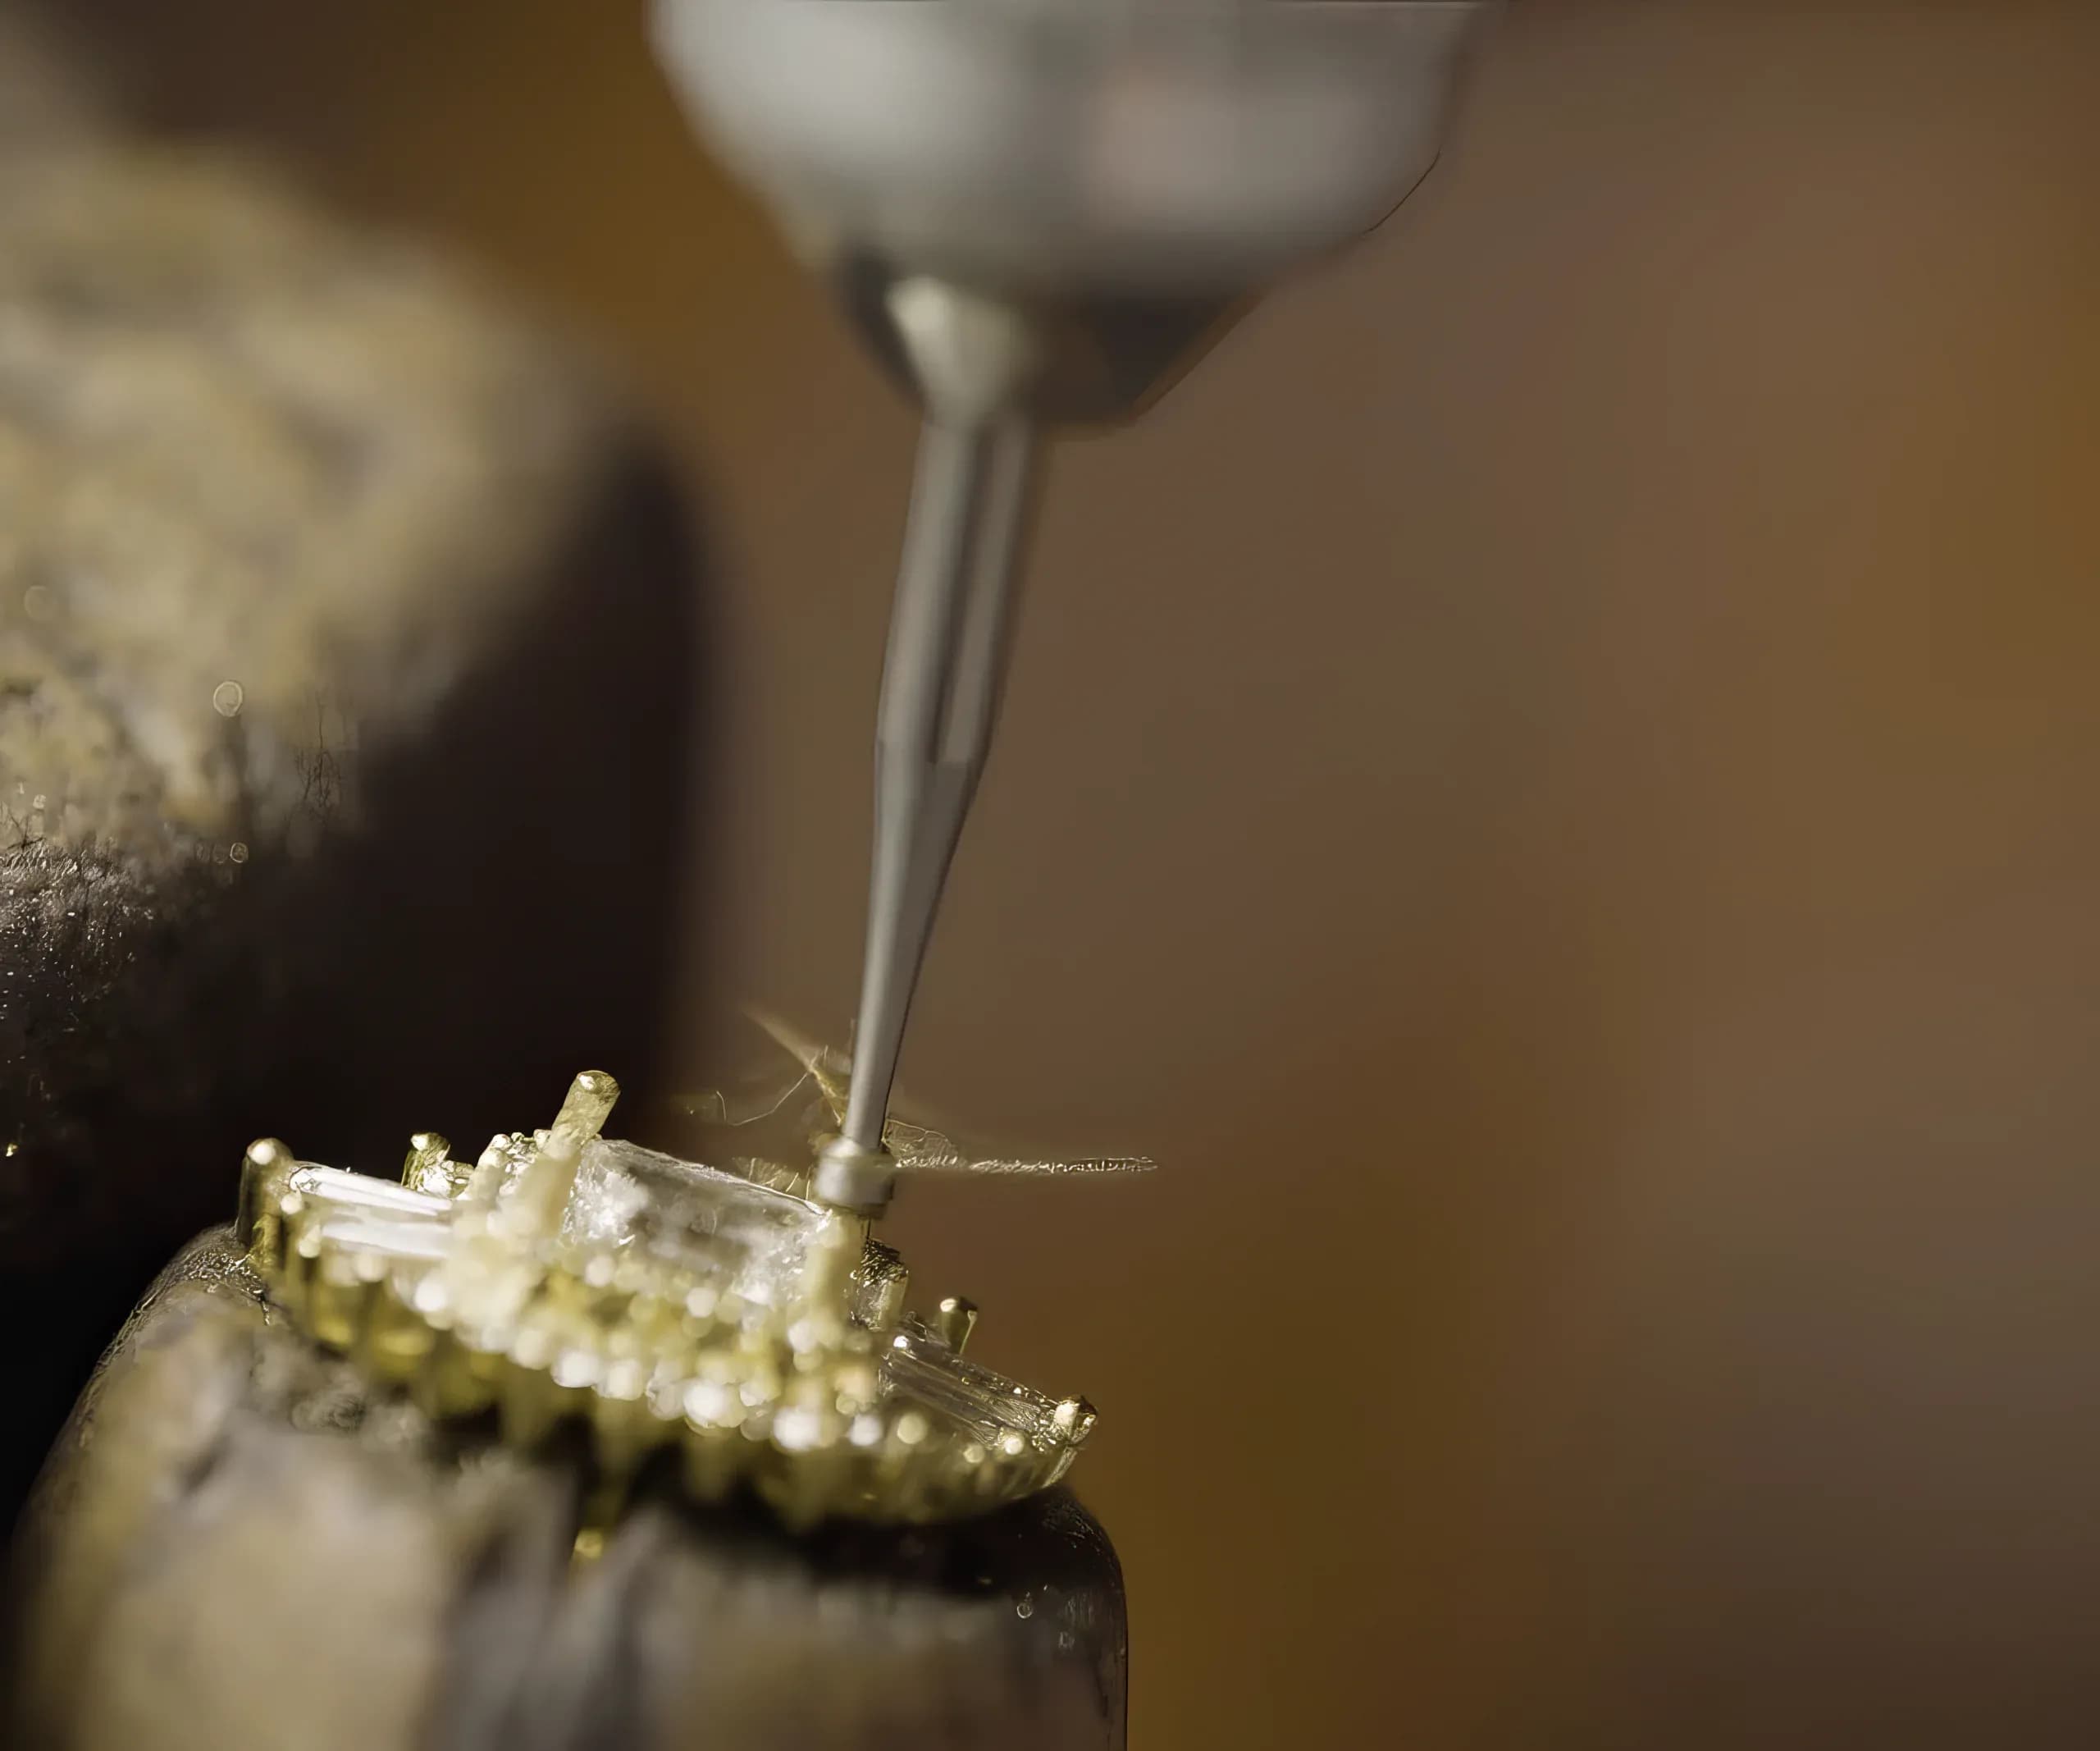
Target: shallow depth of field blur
[1551, 783]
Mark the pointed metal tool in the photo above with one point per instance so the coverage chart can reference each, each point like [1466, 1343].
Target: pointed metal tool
[1038, 212]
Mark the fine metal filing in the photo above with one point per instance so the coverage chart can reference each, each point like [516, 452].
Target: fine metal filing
[1037, 213]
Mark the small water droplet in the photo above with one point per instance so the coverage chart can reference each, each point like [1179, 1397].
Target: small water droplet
[40, 800]
[238, 852]
[12, 1148]
[1026, 1608]
[227, 698]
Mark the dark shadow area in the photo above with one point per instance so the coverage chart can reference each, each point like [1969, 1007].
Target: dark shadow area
[504, 914]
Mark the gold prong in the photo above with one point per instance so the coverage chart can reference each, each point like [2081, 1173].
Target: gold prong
[542, 1195]
[588, 1105]
[263, 1171]
[954, 1320]
[528, 1403]
[340, 1289]
[881, 1282]
[490, 1170]
[396, 1342]
[426, 1158]
[712, 1459]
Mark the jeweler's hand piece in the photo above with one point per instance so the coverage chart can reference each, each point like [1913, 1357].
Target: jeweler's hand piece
[1036, 212]
[564, 1278]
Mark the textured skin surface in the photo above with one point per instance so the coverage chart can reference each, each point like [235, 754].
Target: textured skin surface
[235, 1545]
[272, 493]
[346, 651]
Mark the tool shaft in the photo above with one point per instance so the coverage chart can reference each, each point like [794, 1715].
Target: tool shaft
[943, 679]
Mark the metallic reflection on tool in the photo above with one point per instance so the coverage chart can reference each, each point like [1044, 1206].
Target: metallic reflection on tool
[1036, 212]
[942, 680]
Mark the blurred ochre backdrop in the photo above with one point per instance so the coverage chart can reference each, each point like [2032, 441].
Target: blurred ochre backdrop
[1553, 783]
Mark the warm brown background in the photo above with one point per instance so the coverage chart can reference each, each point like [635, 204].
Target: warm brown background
[1553, 783]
